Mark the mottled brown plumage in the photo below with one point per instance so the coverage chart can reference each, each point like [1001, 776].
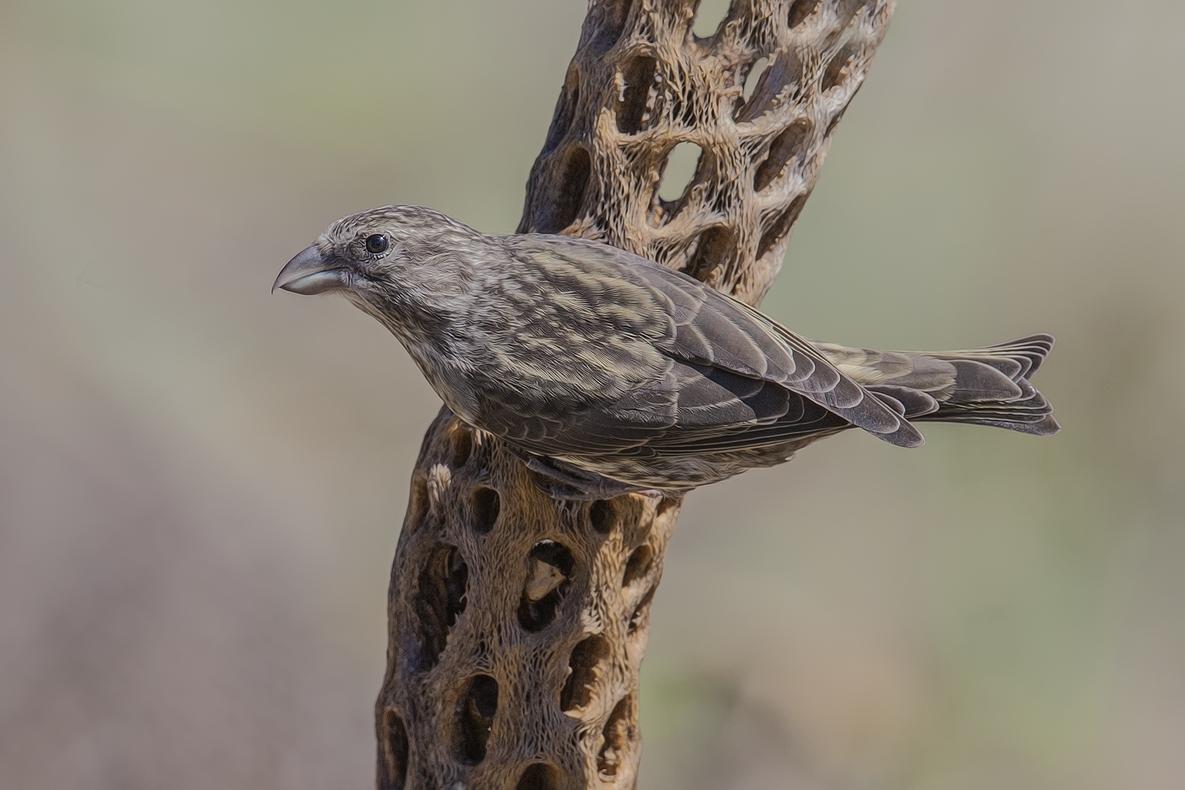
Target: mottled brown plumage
[610, 373]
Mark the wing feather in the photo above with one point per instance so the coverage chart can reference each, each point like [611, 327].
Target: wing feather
[736, 334]
[733, 378]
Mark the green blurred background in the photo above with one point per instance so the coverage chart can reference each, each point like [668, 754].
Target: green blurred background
[201, 484]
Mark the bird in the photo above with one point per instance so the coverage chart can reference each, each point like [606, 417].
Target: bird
[608, 373]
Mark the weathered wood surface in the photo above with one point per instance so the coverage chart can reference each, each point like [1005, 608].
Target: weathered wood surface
[518, 623]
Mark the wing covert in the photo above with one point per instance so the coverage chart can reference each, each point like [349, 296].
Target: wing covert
[734, 378]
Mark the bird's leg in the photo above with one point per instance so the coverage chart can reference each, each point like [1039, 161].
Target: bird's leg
[565, 481]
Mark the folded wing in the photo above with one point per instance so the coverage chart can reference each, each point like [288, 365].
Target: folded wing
[736, 378]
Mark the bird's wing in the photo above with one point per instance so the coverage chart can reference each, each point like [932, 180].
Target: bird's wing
[601, 427]
[733, 365]
[718, 410]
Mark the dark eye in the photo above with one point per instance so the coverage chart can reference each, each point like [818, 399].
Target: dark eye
[377, 244]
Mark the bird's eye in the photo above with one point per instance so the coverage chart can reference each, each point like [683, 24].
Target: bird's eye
[377, 244]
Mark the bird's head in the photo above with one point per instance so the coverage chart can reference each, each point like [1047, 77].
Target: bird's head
[405, 265]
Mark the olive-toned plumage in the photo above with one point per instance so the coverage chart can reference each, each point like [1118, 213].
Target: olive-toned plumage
[610, 373]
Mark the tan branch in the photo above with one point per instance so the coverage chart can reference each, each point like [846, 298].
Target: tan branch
[518, 622]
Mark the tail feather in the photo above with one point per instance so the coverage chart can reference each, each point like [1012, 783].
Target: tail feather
[1028, 352]
[986, 386]
[977, 381]
[907, 402]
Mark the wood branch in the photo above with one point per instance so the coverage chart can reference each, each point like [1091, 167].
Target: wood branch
[518, 623]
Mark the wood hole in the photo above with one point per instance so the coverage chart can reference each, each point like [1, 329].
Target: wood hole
[782, 148]
[473, 718]
[487, 506]
[441, 599]
[753, 77]
[584, 662]
[714, 249]
[540, 776]
[571, 182]
[393, 753]
[709, 16]
[618, 734]
[781, 81]
[549, 574]
[679, 171]
[634, 101]
[800, 10]
[641, 611]
[780, 226]
[602, 516]
[839, 68]
[462, 447]
[610, 24]
[638, 565]
[417, 506]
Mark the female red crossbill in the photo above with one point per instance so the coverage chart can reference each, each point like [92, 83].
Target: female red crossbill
[610, 373]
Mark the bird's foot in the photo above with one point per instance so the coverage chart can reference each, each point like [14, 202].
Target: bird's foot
[565, 481]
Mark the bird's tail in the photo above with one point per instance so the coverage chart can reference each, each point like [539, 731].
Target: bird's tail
[986, 386]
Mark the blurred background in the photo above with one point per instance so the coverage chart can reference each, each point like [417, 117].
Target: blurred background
[201, 484]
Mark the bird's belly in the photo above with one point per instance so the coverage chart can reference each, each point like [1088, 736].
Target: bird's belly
[680, 473]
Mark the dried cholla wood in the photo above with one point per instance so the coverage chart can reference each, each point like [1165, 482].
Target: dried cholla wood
[517, 622]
